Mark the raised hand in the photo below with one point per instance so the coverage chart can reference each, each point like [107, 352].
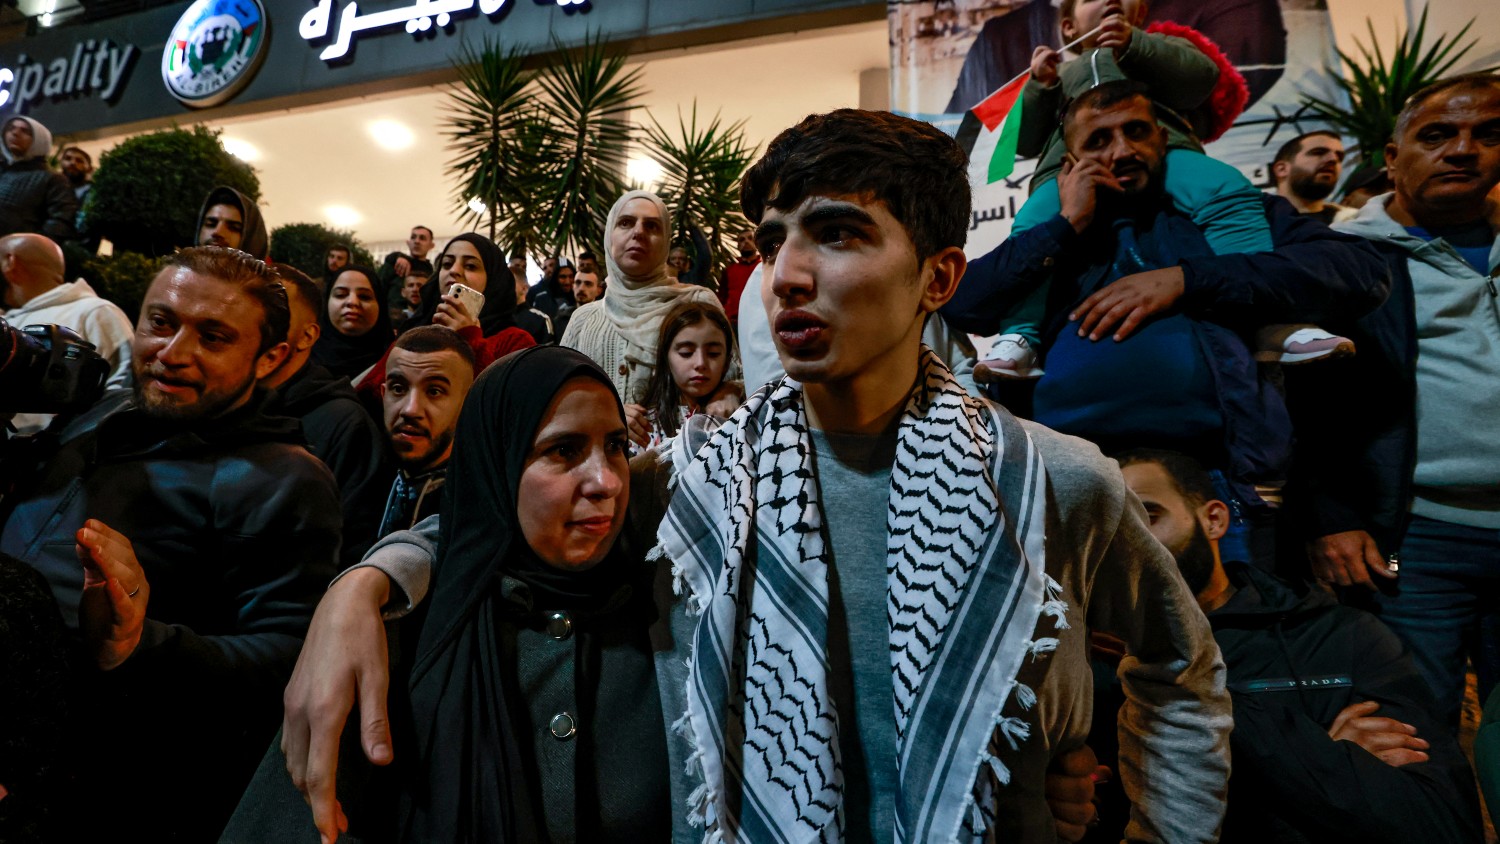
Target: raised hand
[1044, 62]
[112, 609]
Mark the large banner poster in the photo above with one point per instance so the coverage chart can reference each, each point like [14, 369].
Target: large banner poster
[948, 55]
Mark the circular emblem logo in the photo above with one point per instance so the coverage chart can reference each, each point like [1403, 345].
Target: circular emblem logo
[214, 51]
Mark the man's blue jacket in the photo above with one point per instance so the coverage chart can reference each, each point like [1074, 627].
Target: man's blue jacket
[1314, 275]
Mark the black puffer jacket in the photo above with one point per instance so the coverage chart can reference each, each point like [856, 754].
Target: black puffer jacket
[1294, 664]
[237, 529]
[35, 199]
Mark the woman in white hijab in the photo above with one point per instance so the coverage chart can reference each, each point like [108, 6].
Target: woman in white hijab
[620, 331]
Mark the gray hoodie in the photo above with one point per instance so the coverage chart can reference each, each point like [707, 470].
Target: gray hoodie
[1457, 477]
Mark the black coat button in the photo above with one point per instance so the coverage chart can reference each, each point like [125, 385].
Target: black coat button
[559, 626]
[563, 726]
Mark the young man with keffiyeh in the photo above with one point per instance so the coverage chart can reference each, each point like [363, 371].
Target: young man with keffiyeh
[978, 548]
[836, 691]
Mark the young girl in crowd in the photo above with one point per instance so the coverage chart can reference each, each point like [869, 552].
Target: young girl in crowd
[694, 358]
[356, 329]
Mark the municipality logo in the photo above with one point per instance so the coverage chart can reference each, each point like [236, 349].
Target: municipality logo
[214, 51]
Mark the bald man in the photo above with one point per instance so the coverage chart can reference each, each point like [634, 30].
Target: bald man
[31, 267]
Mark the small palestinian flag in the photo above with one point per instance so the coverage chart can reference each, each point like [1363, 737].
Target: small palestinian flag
[989, 131]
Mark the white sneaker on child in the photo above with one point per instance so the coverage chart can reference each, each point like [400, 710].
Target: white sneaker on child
[1010, 359]
[1293, 344]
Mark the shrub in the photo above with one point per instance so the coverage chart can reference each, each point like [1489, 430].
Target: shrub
[149, 189]
[122, 278]
[303, 245]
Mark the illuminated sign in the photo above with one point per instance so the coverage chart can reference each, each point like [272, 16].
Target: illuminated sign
[420, 17]
[94, 68]
[214, 51]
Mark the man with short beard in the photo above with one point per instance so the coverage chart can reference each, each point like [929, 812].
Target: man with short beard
[230, 218]
[335, 261]
[186, 537]
[427, 375]
[586, 287]
[1307, 170]
[1335, 734]
[78, 168]
[1145, 326]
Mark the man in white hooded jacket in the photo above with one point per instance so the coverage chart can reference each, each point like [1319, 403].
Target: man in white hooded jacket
[31, 281]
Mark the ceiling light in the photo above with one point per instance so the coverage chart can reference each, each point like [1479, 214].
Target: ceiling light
[643, 171]
[341, 215]
[392, 134]
[477, 206]
[241, 149]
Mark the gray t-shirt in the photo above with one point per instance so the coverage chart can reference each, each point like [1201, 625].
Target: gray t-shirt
[854, 481]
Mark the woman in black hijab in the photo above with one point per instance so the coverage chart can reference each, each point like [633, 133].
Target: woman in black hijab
[476, 262]
[356, 336]
[491, 277]
[534, 707]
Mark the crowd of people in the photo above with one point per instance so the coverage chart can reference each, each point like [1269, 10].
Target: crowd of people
[658, 551]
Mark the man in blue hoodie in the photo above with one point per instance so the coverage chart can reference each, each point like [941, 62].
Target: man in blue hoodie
[1398, 484]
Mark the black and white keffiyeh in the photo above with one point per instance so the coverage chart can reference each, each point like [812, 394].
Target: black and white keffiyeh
[966, 588]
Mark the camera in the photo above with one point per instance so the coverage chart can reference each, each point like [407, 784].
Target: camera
[48, 369]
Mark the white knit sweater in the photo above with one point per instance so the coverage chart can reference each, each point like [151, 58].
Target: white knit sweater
[591, 332]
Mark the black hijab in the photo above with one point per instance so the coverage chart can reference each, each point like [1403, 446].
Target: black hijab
[349, 356]
[469, 770]
[499, 291]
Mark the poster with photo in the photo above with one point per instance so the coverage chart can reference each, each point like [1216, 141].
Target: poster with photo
[948, 55]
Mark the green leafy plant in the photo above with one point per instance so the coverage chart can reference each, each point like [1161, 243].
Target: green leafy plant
[304, 245]
[700, 174]
[1378, 86]
[122, 278]
[583, 141]
[493, 126]
[149, 189]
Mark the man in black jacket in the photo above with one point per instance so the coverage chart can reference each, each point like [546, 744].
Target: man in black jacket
[32, 197]
[186, 537]
[338, 429]
[1335, 735]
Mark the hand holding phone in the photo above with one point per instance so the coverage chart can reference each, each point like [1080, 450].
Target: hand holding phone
[471, 299]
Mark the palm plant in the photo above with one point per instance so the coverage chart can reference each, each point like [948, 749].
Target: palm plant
[491, 122]
[700, 173]
[581, 144]
[1378, 87]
